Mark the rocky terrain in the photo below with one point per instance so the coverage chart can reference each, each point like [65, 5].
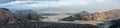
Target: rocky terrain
[115, 23]
[100, 16]
[7, 17]
[28, 15]
[110, 18]
[51, 25]
[31, 19]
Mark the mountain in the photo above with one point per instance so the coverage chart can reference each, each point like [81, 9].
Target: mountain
[84, 12]
[21, 18]
[28, 15]
[77, 16]
[7, 17]
[113, 14]
[99, 16]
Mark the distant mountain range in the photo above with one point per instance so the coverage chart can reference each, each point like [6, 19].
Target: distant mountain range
[100, 16]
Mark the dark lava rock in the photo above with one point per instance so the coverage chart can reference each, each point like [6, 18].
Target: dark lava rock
[55, 25]
[115, 24]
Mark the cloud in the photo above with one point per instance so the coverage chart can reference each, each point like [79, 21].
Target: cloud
[29, 4]
[5, 1]
[65, 5]
[88, 5]
[36, 0]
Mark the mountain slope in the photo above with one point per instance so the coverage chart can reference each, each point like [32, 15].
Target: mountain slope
[108, 15]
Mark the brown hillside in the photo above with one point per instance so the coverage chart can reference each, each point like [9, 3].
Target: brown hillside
[6, 16]
[111, 14]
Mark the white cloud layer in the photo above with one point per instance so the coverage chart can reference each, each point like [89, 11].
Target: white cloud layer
[70, 6]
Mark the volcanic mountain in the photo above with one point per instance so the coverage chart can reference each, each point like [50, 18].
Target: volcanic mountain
[99, 16]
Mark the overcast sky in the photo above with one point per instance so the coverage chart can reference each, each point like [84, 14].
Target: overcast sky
[66, 6]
